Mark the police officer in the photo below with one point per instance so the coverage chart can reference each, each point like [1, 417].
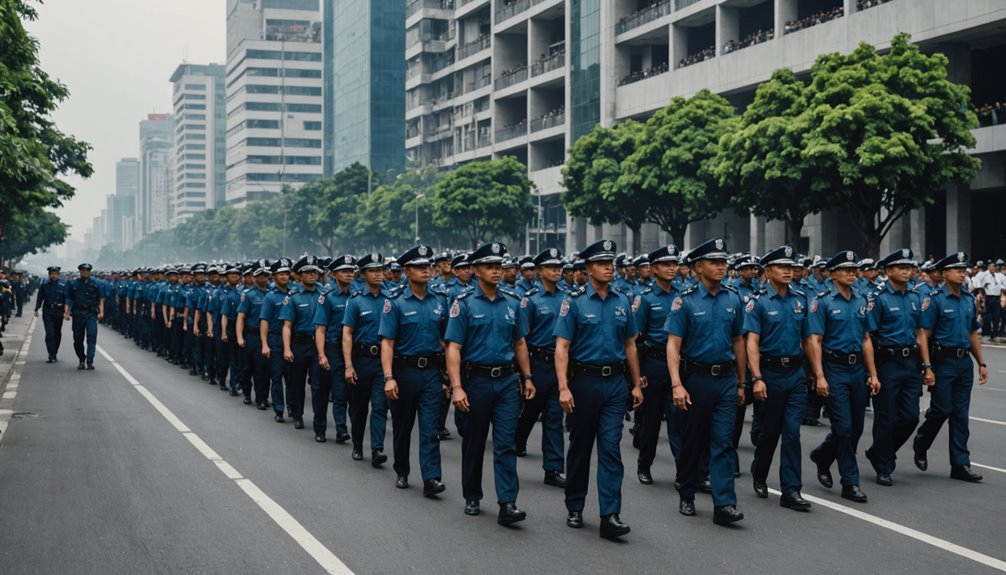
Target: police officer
[51, 299]
[462, 281]
[361, 351]
[229, 296]
[893, 312]
[411, 323]
[485, 335]
[271, 334]
[540, 306]
[704, 325]
[948, 340]
[841, 355]
[510, 269]
[84, 302]
[595, 342]
[650, 308]
[528, 276]
[331, 383]
[775, 319]
[298, 317]
[248, 332]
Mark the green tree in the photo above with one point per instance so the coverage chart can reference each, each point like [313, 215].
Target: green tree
[31, 233]
[490, 199]
[761, 161]
[591, 179]
[334, 205]
[888, 131]
[34, 154]
[674, 163]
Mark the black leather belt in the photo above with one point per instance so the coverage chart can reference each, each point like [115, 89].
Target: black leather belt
[251, 331]
[302, 337]
[493, 371]
[651, 351]
[417, 361]
[897, 352]
[711, 369]
[601, 370]
[840, 358]
[54, 306]
[367, 350]
[943, 352]
[783, 362]
[541, 353]
[83, 307]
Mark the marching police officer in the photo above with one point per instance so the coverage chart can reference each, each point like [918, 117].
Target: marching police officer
[893, 312]
[229, 296]
[775, 319]
[461, 267]
[84, 302]
[948, 340]
[650, 308]
[51, 299]
[411, 324]
[271, 334]
[595, 342]
[298, 317]
[248, 332]
[540, 306]
[361, 351]
[485, 335]
[841, 355]
[704, 325]
[328, 317]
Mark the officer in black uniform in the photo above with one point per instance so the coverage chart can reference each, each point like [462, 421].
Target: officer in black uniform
[51, 299]
[84, 302]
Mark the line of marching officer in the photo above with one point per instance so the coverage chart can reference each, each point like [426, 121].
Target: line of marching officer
[685, 353]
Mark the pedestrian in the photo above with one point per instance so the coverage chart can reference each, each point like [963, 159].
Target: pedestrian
[485, 339]
[704, 325]
[51, 300]
[947, 342]
[331, 382]
[775, 319]
[596, 343]
[361, 352]
[841, 355]
[85, 305]
[298, 316]
[540, 306]
[412, 321]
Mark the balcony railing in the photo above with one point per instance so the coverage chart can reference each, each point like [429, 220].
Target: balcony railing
[477, 84]
[547, 121]
[511, 8]
[512, 132]
[417, 5]
[511, 79]
[644, 16]
[680, 4]
[474, 47]
[554, 61]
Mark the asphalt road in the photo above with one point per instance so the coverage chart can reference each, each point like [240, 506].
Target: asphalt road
[165, 474]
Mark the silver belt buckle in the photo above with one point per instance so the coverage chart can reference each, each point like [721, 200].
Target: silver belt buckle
[852, 359]
[606, 371]
[784, 361]
[715, 370]
[905, 352]
[421, 363]
[495, 372]
[374, 350]
[961, 352]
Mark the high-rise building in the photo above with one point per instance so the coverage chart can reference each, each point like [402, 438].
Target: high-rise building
[489, 78]
[123, 206]
[274, 97]
[153, 206]
[364, 84]
[200, 146]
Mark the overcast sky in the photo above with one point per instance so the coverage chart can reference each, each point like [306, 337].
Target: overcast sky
[116, 57]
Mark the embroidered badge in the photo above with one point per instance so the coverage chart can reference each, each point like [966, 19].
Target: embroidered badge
[635, 304]
[564, 308]
[387, 306]
[750, 306]
[523, 302]
[676, 305]
[813, 306]
[869, 305]
[321, 299]
[798, 308]
[455, 309]
[925, 304]
[286, 300]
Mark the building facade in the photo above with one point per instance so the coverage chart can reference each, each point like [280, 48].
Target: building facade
[364, 85]
[123, 206]
[273, 97]
[200, 147]
[153, 205]
[489, 78]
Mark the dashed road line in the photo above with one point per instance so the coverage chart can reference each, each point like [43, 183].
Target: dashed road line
[989, 467]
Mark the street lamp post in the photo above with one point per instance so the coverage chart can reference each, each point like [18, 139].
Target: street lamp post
[418, 197]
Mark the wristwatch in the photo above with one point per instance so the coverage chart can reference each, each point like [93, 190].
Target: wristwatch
[983, 365]
[927, 366]
[756, 379]
[388, 378]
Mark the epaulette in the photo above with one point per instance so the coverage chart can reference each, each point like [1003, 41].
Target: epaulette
[464, 294]
[690, 290]
[579, 291]
[510, 293]
[646, 291]
[799, 292]
[824, 293]
[531, 291]
[730, 288]
[438, 289]
[356, 293]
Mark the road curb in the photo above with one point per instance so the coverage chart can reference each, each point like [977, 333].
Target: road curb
[11, 369]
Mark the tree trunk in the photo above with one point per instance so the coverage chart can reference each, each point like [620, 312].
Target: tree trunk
[794, 231]
[637, 240]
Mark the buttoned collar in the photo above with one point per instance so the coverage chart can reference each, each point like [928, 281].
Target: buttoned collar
[772, 293]
[890, 289]
[704, 291]
[481, 294]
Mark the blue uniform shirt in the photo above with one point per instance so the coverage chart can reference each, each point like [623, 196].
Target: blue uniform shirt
[272, 304]
[299, 309]
[841, 322]
[486, 329]
[413, 323]
[779, 321]
[51, 293]
[541, 309]
[951, 318]
[329, 312]
[251, 306]
[706, 323]
[893, 317]
[363, 314]
[650, 308]
[83, 293]
[597, 328]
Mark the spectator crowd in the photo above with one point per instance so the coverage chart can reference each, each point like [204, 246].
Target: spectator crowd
[750, 40]
[991, 114]
[814, 19]
[864, 4]
[643, 74]
[700, 56]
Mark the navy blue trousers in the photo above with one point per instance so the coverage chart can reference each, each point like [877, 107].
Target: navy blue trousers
[950, 399]
[256, 368]
[419, 393]
[279, 373]
[85, 323]
[652, 413]
[597, 416]
[52, 321]
[545, 404]
[495, 402]
[895, 410]
[780, 416]
[707, 431]
[367, 394]
[847, 399]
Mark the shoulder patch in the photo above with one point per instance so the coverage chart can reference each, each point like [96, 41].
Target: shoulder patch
[455, 309]
[523, 302]
[321, 299]
[564, 308]
[690, 290]
[925, 303]
[635, 303]
[870, 302]
[750, 305]
[512, 294]
[799, 293]
[387, 306]
[814, 305]
[286, 300]
[677, 304]
[356, 293]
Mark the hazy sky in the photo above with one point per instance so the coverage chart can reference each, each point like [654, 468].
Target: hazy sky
[116, 57]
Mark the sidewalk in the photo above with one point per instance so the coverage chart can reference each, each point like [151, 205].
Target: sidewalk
[16, 341]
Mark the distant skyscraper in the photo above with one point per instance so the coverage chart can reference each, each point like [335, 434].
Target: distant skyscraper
[200, 147]
[122, 204]
[364, 84]
[274, 97]
[153, 205]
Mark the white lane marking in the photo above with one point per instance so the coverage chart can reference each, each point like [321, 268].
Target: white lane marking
[954, 548]
[325, 558]
[13, 379]
[9, 394]
[12, 385]
[991, 388]
[983, 420]
[989, 467]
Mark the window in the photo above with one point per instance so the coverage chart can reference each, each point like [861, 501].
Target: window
[263, 124]
[283, 55]
[312, 126]
[197, 87]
